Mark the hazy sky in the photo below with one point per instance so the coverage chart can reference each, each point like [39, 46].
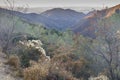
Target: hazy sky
[85, 6]
[64, 3]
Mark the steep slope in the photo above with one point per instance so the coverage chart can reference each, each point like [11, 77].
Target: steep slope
[113, 10]
[64, 17]
[61, 19]
[55, 18]
[39, 19]
[87, 26]
[32, 18]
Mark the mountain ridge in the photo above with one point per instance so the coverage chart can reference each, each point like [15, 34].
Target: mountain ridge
[59, 18]
[62, 19]
[88, 23]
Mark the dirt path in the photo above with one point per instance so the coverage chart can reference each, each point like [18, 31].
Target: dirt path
[4, 69]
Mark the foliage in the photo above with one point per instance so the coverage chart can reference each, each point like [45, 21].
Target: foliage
[36, 72]
[107, 45]
[73, 56]
[14, 61]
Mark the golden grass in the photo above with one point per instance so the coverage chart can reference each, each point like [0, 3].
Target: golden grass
[14, 61]
[36, 72]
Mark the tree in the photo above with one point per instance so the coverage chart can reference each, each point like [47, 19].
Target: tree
[8, 22]
[108, 47]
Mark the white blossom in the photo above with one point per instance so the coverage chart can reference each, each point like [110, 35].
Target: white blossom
[101, 77]
[35, 44]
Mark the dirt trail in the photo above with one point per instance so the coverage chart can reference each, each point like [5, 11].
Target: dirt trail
[4, 69]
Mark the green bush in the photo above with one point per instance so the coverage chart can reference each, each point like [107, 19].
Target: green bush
[27, 54]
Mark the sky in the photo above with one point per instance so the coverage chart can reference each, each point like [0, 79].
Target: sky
[64, 3]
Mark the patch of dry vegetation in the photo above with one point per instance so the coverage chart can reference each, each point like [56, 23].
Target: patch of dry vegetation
[63, 64]
[14, 61]
[36, 72]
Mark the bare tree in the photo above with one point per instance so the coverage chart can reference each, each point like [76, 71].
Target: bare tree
[7, 27]
[108, 48]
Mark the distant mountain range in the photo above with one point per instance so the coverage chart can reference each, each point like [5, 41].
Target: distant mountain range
[65, 18]
[62, 19]
[56, 18]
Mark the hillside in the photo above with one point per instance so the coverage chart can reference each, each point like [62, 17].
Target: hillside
[60, 44]
[57, 18]
[112, 10]
[88, 25]
[62, 19]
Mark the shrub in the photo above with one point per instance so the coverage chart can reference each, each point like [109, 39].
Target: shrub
[28, 54]
[14, 61]
[36, 72]
[78, 67]
[58, 69]
[59, 73]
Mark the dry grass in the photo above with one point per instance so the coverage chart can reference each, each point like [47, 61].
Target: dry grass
[17, 73]
[58, 73]
[66, 75]
[14, 61]
[36, 72]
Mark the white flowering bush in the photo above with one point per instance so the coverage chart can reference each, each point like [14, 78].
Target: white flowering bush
[31, 50]
[35, 44]
[100, 77]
